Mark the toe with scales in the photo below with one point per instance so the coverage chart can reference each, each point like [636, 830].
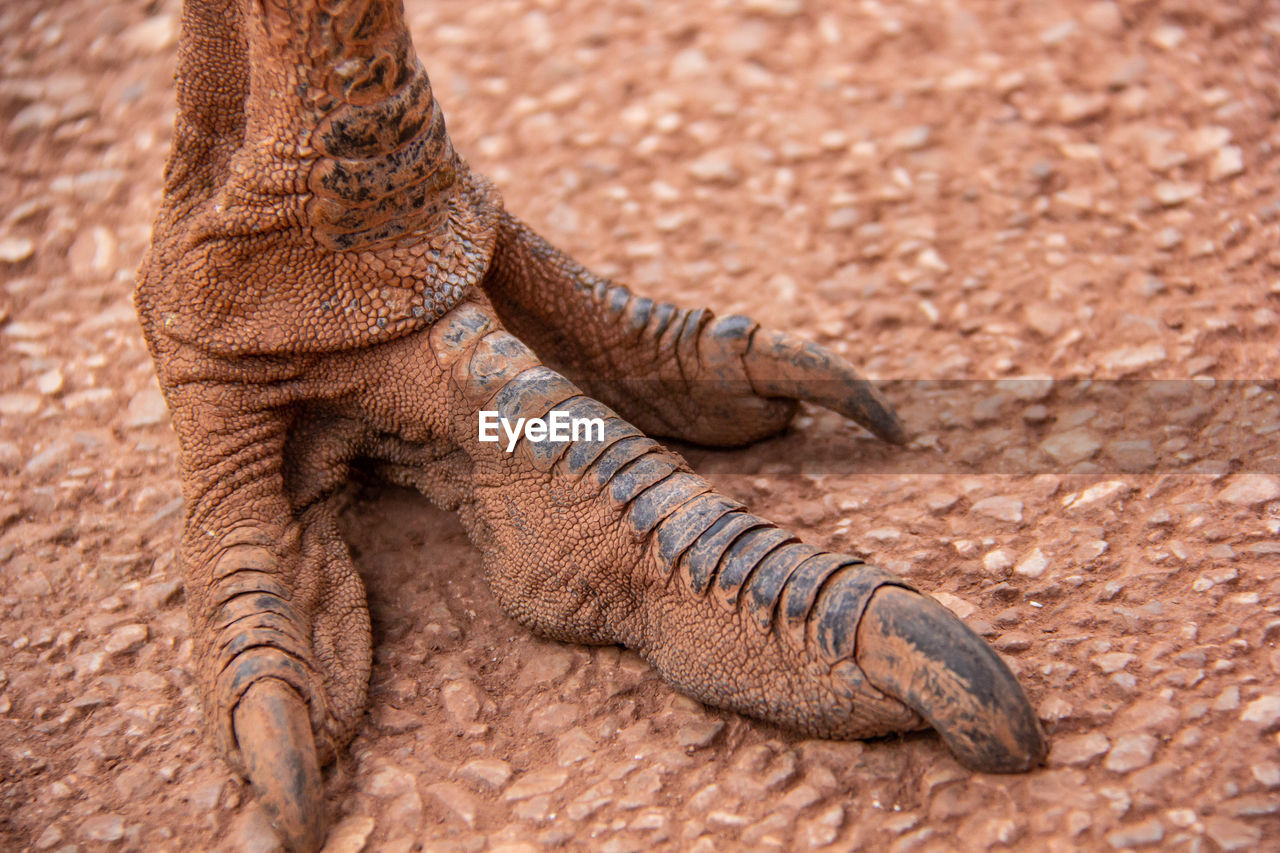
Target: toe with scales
[674, 371]
[865, 628]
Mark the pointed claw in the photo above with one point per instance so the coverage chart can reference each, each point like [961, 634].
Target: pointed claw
[273, 731]
[780, 365]
[915, 650]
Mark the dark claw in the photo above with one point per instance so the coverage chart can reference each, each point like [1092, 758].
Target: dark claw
[780, 365]
[273, 731]
[913, 649]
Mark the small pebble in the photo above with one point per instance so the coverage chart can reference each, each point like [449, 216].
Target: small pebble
[714, 168]
[1231, 834]
[1168, 36]
[15, 250]
[1206, 140]
[1248, 490]
[389, 782]
[1046, 319]
[457, 800]
[1113, 661]
[1127, 360]
[1014, 641]
[1150, 831]
[1168, 238]
[1228, 699]
[1263, 712]
[1059, 32]
[1105, 17]
[16, 405]
[126, 639]
[461, 701]
[911, 138]
[106, 828]
[349, 836]
[536, 784]
[699, 734]
[1227, 163]
[961, 608]
[1174, 193]
[49, 382]
[1130, 752]
[51, 836]
[1267, 773]
[775, 8]
[1098, 496]
[153, 35]
[491, 772]
[1001, 507]
[147, 407]
[1073, 107]
[1072, 446]
[1078, 749]
[1033, 565]
[997, 561]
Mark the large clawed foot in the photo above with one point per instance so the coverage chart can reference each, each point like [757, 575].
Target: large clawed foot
[273, 731]
[913, 649]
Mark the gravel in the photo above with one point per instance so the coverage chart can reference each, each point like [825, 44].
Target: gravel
[1082, 749]
[15, 250]
[146, 408]
[1005, 508]
[1072, 267]
[1263, 712]
[1130, 752]
[1142, 834]
[1249, 490]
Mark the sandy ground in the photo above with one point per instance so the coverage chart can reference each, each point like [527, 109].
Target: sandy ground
[942, 190]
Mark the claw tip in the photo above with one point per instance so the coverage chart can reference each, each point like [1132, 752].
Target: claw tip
[273, 731]
[913, 649]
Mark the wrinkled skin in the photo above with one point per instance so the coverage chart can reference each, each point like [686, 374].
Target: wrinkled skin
[329, 283]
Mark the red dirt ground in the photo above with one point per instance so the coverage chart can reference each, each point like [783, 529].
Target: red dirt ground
[942, 190]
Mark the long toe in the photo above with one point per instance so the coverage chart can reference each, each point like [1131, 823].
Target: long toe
[608, 537]
[672, 371]
[913, 649]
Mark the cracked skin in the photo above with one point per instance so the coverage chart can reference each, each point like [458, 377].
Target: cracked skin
[328, 283]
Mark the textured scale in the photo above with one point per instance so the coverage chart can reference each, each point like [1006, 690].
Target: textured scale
[618, 456]
[662, 499]
[741, 559]
[801, 591]
[765, 585]
[840, 605]
[681, 528]
[583, 454]
[699, 563]
[630, 481]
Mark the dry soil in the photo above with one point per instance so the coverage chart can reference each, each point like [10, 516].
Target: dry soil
[946, 190]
